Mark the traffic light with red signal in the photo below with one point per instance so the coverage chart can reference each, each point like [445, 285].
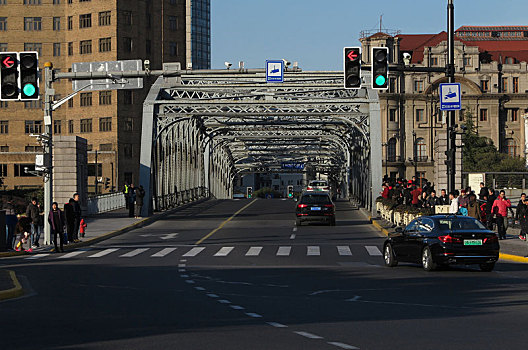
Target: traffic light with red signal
[9, 76]
[352, 67]
[19, 76]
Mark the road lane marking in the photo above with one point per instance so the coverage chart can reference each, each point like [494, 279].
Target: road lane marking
[295, 229]
[223, 301]
[170, 236]
[72, 254]
[292, 236]
[189, 281]
[373, 250]
[212, 295]
[184, 276]
[163, 253]
[199, 288]
[313, 251]
[224, 251]
[103, 253]
[134, 253]
[277, 325]
[254, 251]
[344, 250]
[283, 251]
[182, 265]
[342, 345]
[236, 307]
[309, 335]
[254, 315]
[35, 257]
[225, 222]
[193, 252]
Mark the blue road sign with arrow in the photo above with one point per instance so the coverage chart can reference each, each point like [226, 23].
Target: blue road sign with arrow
[450, 97]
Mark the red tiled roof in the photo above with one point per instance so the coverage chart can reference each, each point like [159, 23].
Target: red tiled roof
[494, 28]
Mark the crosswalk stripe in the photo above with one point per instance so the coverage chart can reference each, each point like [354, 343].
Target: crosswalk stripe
[373, 250]
[224, 251]
[103, 253]
[283, 251]
[313, 251]
[72, 254]
[37, 256]
[163, 253]
[254, 251]
[134, 253]
[193, 252]
[344, 250]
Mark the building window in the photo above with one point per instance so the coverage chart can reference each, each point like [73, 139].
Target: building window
[56, 2]
[128, 98]
[56, 23]
[85, 21]
[484, 85]
[70, 103]
[511, 147]
[467, 61]
[86, 99]
[105, 97]
[105, 44]
[85, 47]
[33, 47]
[56, 49]
[86, 125]
[392, 114]
[515, 85]
[418, 86]
[20, 170]
[104, 18]
[105, 124]
[483, 115]
[4, 104]
[33, 104]
[3, 170]
[105, 147]
[70, 22]
[127, 17]
[57, 126]
[127, 150]
[32, 23]
[127, 43]
[31, 2]
[461, 115]
[4, 126]
[33, 127]
[3, 23]
[392, 85]
[173, 48]
[420, 117]
[504, 85]
[71, 129]
[70, 50]
[173, 23]
[3, 46]
[128, 177]
[434, 61]
[421, 150]
[391, 150]
[4, 149]
[514, 115]
[33, 149]
[128, 124]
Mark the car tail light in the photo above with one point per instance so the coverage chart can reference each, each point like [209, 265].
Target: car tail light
[449, 239]
[310, 188]
[302, 206]
[325, 189]
[490, 239]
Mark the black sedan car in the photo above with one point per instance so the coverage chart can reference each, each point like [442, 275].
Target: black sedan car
[315, 207]
[443, 240]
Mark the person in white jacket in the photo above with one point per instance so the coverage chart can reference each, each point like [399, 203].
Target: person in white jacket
[453, 207]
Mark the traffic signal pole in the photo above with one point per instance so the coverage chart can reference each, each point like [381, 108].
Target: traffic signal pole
[49, 92]
[450, 72]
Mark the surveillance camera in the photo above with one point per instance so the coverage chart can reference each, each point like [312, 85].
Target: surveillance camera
[26, 169]
[228, 64]
[287, 63]
[407, 58]
[146, 64]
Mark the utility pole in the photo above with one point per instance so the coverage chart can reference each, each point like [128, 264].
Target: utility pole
[48, 147]
[450, 72]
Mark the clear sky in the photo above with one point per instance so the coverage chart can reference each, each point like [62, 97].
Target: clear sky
[314, 32]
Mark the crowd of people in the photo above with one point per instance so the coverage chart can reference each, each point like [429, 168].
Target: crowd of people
[489, 206]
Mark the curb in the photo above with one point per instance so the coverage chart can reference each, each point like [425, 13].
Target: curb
[15, 292]
[502, 256]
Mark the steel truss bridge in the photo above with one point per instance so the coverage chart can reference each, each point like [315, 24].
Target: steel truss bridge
[201, 130]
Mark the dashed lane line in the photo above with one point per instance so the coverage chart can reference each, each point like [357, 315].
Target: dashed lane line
[292, 236]
[308, 335]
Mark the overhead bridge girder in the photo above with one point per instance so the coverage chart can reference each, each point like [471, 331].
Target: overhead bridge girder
[200, 130]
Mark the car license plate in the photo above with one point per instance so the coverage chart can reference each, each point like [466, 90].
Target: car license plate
[316, 208]
[472, 242]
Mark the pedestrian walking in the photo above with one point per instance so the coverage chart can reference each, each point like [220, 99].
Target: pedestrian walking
[131, 200]
[57, 221]
[483, 191]
[11, 221]
[473, 207]
[33, 211]
[500, 210]
[77, 212]
[140, 194]
[69, 215]
[522, 214]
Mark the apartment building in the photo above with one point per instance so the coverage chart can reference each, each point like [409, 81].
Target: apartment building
[491, 66]
[69, 31]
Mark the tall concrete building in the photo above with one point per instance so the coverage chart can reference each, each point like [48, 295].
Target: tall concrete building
[491, 66]
[69, 31]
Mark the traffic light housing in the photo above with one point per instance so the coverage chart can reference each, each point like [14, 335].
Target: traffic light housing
[29, 76]
[9, 76]
[352, 67]
[249, 192]
[290, 191]
[380, 68]
[107, 183]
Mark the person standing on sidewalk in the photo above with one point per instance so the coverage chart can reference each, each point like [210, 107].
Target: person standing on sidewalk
[483, 191]
[521, 202]
[473, 207]
[131, 200]
[140, 194]
[69, 215]
[77, 212]
[522, 216]
[57, 221]
[33, 212]
[11, 221]
[500, 209]
[126, 190]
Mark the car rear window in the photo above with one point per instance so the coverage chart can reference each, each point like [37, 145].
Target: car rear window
[315, 199]
[457, 224]
[318, 183]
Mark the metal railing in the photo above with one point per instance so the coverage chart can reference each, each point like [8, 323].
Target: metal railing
[177, 199]
[105, 202]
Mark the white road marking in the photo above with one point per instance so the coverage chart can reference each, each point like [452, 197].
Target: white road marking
[212, 295]
[309, 335]
[254, 315]
[224, 251]
[181, 270]
[148, 235]
[295, 229]
[184, 276]
[292, 236]
[373, 250]
[163, 252]
[283, 251]
[193, 252]
[183, 260]
[277, 325]
[254, 251]
[199, 288]
[72, 254]
[236, 307]
[344, 250]
[223, 301]
[313, 251]
[342, 345]
[170, 236]
[35, 257]
[134, 253]
[189, 281]
[182, 265]
[355, 298]
[103, 253]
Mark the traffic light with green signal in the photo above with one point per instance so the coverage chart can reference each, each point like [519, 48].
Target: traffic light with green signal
[290, 191]
[9, 76]
[29, 76]
[249, 192]
[380, 68]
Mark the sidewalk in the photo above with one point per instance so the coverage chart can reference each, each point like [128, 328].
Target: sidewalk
[511, 249]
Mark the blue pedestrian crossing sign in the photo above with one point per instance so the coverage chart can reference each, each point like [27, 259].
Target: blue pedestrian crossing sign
[274, 71]
[450, 97]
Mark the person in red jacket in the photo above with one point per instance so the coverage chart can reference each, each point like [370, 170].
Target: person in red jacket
[500, 210]
[416, 194]
[385, 193]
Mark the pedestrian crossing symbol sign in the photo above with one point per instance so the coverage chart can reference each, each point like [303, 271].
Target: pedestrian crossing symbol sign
[450, 99]
[274, 71]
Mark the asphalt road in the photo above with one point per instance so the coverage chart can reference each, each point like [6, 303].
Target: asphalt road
[258, 282]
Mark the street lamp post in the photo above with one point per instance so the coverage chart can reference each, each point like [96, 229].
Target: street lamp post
[415, 155]
[385, 144]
